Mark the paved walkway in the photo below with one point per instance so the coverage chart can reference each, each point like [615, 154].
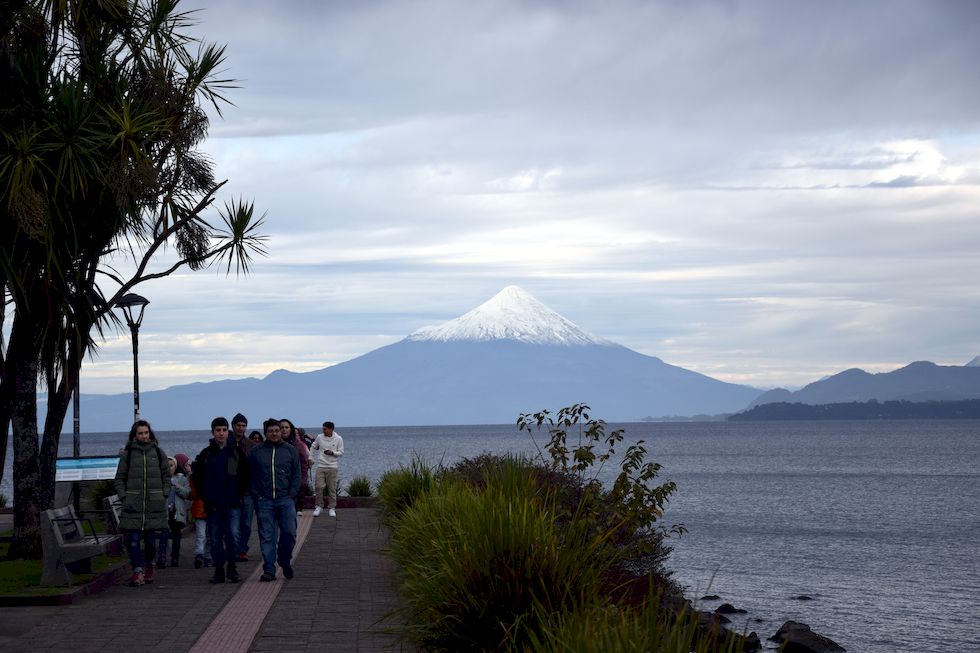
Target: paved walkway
[342, 590]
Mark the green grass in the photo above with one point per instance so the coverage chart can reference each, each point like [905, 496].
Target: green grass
[23, 577]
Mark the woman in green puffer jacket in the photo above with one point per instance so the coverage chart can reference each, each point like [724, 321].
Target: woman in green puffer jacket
[142, 483]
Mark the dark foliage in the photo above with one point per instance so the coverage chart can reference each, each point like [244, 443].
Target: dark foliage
[964, 409]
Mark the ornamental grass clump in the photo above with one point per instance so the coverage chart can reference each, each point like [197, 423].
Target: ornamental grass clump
[399, 488]
[648, 627]
[359, 486]
[482, 568]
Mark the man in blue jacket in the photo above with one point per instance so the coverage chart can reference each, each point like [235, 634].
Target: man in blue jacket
[274, 469]
[220, 476]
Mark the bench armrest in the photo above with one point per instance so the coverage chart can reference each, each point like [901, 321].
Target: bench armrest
[91, 525]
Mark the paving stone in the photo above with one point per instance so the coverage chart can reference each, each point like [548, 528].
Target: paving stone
[342, 590]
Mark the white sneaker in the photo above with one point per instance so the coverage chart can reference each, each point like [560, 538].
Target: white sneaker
[316, 513]
[299, 513]
[332, 512]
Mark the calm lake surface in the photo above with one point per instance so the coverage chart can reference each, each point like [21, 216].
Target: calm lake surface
[878, 522]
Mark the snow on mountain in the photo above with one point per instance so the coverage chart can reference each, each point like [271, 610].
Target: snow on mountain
[974, 363]
[512, 314]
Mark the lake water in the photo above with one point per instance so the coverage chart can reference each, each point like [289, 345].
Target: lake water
[878, 522]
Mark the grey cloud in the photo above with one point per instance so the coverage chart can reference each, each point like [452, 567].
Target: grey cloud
[905, 181]
[382, 137]
[765, 67]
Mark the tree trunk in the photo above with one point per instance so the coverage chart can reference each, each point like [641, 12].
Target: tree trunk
[6, 408]
[58, 400]
[22, 359]
[6, 388]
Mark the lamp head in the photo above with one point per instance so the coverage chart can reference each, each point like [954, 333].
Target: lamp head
[130, 303]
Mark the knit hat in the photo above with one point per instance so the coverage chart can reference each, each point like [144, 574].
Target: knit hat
[219, 421]
[239, 418]
[182, 461]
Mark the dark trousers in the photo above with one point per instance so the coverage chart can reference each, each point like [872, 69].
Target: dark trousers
[223, 536]
[141, 556]
[245, 525]
[170, 536]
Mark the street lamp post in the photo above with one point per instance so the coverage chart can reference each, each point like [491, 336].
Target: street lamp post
[129, 303]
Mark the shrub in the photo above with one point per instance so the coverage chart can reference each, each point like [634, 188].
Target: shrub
[102, 489]
[516, 553]
[632, 507]
[399, 488]
[481, 569]
[359, 486]
[3, 500]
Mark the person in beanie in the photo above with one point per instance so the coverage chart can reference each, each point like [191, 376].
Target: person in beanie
[142, 483]
[274, 471]
[221, 478]
[178, 506]
[325, 453]
[239, 424]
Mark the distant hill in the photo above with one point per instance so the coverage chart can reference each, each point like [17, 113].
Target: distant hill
[511, 354]
[920, 381]
[966, 409]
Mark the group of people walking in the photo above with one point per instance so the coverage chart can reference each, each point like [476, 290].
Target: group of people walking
[232, 481]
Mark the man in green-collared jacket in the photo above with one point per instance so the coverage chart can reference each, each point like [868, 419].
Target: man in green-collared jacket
[274, 472]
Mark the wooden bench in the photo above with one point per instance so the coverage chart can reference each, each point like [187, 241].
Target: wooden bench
[112, 507]
[67, 548]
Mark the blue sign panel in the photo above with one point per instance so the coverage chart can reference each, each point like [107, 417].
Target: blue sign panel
[91, 468]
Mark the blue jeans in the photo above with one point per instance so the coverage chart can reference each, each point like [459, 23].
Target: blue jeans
[245, 525]
[277, 521]
[141, 556]
[223, 536]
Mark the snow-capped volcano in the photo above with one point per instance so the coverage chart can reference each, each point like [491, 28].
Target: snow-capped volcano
[508, 356]
[512, 314]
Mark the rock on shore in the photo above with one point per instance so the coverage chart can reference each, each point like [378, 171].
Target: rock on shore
[799, 638]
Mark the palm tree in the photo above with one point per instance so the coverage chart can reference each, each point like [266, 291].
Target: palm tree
[101, 114]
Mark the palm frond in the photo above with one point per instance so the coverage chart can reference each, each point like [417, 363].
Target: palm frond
[240, 236]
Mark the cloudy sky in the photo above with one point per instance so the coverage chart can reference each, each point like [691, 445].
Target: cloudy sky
[764, 192]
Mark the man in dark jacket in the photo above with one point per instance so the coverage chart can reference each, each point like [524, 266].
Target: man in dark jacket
[221, 478]
[274, 471]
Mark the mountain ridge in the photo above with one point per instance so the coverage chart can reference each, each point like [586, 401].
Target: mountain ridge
[509, 355]
[917, 381]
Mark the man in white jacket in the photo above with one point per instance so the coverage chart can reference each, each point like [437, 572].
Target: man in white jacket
[326, 451]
